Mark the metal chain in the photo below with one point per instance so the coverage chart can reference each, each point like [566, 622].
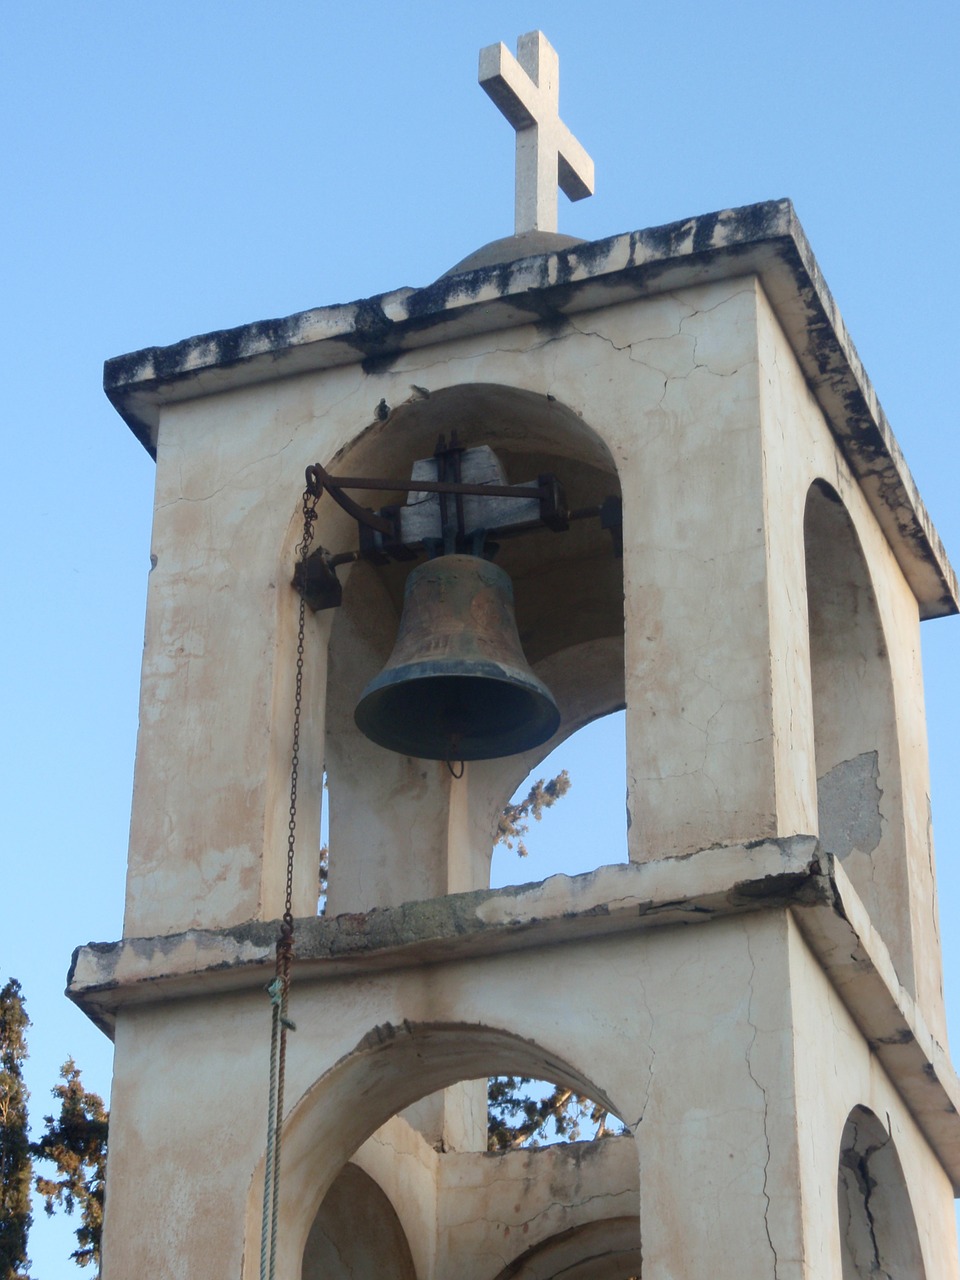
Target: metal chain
[310, 498]
[279, 989]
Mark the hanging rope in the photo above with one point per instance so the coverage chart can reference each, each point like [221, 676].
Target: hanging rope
[279, 988]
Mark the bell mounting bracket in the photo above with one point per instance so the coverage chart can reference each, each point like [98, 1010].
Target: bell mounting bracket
[450, 525]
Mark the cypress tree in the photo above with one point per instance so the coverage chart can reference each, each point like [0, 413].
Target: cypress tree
[75, 1143]
[15, 1162]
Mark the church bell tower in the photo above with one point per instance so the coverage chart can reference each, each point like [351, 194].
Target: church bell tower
[565, 478]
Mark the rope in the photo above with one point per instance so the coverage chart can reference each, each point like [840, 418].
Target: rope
[280, 1025]
[266, 1234]
[279, 988]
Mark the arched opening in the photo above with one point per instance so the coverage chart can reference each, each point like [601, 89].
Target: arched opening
[585, 826]
[546, 834]
[859, 797]
[400, 829]
[878, 1230]
[356, 1234]
[338, 1119]
[605, 1250]
[404, 1207]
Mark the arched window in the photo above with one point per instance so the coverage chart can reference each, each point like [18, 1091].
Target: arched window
[855, 729]
[878, 1231]
[356, 1233]
[399, 829]
[398, 1203]
[585, 827]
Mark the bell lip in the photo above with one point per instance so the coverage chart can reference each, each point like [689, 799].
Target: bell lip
[538, 729]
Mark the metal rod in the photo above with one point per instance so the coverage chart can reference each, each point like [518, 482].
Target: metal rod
[431, 486]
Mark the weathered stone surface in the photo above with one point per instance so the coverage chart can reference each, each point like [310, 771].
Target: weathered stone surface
[737, 994]
[762, 239]
[713, 884]
[690, 890]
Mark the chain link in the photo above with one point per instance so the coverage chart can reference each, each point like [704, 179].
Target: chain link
[310, 497]
[280, 988]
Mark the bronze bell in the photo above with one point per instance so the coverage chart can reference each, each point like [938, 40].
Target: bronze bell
[457, 685]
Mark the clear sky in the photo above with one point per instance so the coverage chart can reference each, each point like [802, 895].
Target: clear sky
[174, 168]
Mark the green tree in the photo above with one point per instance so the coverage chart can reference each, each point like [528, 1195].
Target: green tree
[524, 1112]
[75, 1143]
[15, 1162]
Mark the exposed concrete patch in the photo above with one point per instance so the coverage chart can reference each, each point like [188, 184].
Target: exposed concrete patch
[848, 800]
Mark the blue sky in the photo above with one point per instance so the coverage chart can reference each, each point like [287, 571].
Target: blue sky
[176, 168]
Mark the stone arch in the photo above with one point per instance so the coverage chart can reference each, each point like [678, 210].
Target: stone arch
[859, 789]
[357, 1234]
[878, 1229]
[389, 1069]
[399, 827]
[608, 1249]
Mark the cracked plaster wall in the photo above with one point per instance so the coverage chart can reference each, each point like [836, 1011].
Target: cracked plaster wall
[697, 1035]
[878, 1232]
[716, 439]
[497, 1208]
[799, 450]
[714, 1043]
[826, 1033]
[669, 385]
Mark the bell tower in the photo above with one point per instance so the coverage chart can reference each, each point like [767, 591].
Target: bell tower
[664, 448]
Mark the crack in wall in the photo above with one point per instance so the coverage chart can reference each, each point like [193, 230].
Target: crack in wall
[857, 1162]
[560, 1206]
[653, 1057]
[763, 1093]
[231, 483]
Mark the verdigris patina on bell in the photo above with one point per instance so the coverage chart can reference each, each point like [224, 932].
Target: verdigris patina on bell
[457, 685]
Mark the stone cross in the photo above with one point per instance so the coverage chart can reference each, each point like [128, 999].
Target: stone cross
[527, 91]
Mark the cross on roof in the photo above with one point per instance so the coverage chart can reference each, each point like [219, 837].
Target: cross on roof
[527, 91]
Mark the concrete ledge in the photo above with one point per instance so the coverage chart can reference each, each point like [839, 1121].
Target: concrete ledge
[859, 967]
[789, 874]
[712, 882]
[764, 240]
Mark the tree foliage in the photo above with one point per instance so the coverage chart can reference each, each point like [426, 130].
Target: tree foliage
[514, 822]
[525, 1112]
[75, 1143]
[15, 1162]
